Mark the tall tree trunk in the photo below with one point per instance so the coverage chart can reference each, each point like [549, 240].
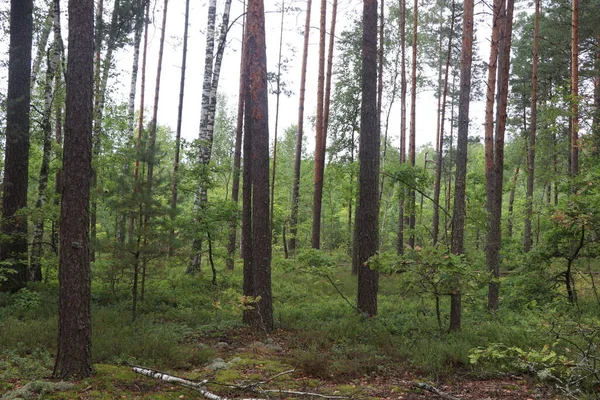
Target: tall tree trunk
[527, 237]
[459, 213]
[207, 120]
[13, 249]
[35, 268]
[367, 211]
[493, 243]
[73, 357]
[235, 186]
[151, 149]
[278, 94]
[135, 237]
[96, 129]
[440, 145]
[495, 222]
[413, 122]
[260, 316]
[320, 137]
[328, 75]
[596, 116]
[400, 242]
[575, 89]
[298, 157]
[174, 179]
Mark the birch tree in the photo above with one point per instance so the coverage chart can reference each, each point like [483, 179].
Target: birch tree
[212, 71]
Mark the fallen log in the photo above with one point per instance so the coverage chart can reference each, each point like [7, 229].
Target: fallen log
[250, 387]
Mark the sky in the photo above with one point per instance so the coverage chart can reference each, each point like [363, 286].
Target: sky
[228, 84]
[229, 81]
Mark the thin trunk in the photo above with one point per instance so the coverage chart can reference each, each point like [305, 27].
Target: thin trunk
[98, 36]
[133, 235]
[575, 90]
[402, 191]
[320, 135]
[459, 214]
[41, 45]
[440, 144]
[35, 266]
[413, 122]
[174, 179]
[278, 94]
[493, 243]
[495, 224]
[235, 185]
[527, 237]
[298, 157]
[207, 120]
[151, 149]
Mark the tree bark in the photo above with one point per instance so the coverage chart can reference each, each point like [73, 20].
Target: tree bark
[174, 179]
[235, 186]
[35, 270]
[319, 139]
[413, 123]
[298, 157]
[73, 357]
[440, 145]
[575, 89]
[527, 237]
[367, 211]
[459, 214]
[13, 249]
[260, 316]
[400, 242]
[212, 71]
[278, 95]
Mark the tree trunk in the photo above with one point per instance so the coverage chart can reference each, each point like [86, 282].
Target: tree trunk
[207, 120]
[400, 242]
[73, 357]
[151, 149]
[133, 235]
[459, 214]
[260, 316]
[235, 186]
[320, 136]
[493, 242]
[13, 249]
[440, 145]
[527, 237]
[575, 90]
[367, 211]
[298, 157]
[35, 271]
[41, 45]
[413, 123]
[174, 178]
[495, 224]
[278, 95]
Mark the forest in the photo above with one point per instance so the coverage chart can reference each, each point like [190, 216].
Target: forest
[353, 199]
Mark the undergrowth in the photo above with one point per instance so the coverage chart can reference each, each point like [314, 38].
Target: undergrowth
[326, 338]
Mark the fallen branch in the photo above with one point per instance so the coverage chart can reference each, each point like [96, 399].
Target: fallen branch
[430, 388]
[198, 386]
[250, 387]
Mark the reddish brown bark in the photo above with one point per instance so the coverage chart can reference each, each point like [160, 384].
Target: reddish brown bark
[367, 211]
[73, 358]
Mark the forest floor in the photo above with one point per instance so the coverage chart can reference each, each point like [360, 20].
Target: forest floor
[243, 359]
